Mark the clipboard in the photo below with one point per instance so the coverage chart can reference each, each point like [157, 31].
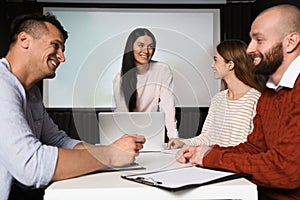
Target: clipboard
[183, 178]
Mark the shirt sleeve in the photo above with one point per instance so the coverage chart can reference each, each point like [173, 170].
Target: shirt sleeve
[43, 126]
[203, 138]
[21, 153]
[167, 102]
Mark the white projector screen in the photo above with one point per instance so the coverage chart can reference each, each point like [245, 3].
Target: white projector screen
[186, 41]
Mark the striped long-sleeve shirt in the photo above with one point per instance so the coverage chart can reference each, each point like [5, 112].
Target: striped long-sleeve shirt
[228, 122]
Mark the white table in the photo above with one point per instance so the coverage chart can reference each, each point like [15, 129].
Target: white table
[109, 185]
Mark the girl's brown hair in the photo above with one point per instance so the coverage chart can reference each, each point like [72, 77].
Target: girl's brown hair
[235, 50]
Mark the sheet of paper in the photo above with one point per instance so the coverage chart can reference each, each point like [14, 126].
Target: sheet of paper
[183, 176]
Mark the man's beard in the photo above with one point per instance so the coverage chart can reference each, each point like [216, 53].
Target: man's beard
[270, 61]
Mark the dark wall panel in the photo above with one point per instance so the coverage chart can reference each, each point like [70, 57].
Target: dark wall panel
[4, 24]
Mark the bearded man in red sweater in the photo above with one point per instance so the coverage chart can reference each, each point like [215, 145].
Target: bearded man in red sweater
[271, 154]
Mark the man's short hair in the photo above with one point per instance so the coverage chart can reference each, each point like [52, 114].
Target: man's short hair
[34, 25]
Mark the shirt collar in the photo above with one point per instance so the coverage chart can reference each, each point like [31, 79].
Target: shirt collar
[289, 77]
[5, 63]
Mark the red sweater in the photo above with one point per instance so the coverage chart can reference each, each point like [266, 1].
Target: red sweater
[272, 151]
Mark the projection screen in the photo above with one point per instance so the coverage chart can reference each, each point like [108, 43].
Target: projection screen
[186, 41]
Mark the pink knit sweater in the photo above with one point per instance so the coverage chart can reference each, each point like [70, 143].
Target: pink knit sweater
[155, 93]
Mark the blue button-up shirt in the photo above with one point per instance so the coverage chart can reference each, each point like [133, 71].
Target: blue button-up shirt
[29, 139]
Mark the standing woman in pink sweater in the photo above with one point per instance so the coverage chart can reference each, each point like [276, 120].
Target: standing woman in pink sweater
[145, 85]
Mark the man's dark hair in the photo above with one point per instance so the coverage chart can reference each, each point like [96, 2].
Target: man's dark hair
[34, 25]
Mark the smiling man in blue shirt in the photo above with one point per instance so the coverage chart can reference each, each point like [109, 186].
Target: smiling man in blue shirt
[33, 151]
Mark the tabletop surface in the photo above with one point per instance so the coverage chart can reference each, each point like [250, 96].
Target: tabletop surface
[111, 183]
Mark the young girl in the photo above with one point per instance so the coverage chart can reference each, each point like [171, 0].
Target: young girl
[229, 119]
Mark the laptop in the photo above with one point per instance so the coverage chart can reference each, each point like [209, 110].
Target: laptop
[112, 125]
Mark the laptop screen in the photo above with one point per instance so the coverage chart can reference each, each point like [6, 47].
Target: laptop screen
[112, 125]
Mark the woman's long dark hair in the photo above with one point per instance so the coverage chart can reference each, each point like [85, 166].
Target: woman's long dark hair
[128, 70]
[235, 50]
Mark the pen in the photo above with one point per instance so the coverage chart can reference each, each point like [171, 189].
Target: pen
[147, 181]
